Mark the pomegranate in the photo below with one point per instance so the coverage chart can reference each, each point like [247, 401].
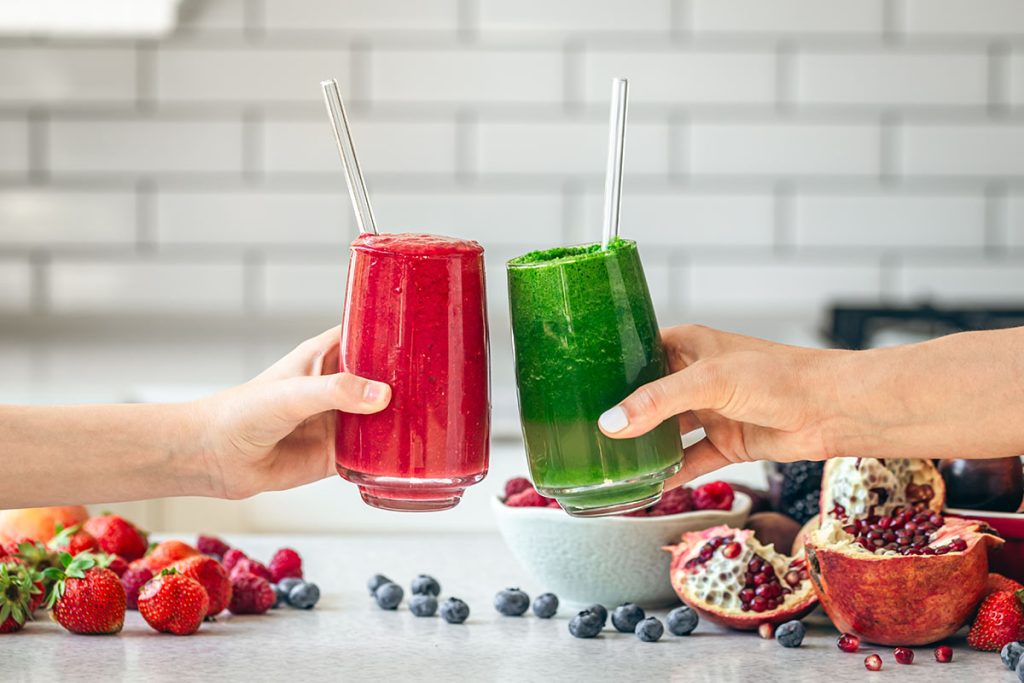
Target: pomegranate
[731, 579]
[873, 663]
[885, 563]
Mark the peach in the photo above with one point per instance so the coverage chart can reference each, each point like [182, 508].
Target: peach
[39, 524]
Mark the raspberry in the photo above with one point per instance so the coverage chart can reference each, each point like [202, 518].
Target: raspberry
[515, 485]
[250, 594]
[230, 558]
[133, 579]
[285, 564]
[528, 499]
[673, 502]
[717, 495]
[211, 545]
[117, 565]
[250, 566]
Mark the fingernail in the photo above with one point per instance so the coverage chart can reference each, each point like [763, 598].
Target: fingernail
[613, 420]
[374, 392]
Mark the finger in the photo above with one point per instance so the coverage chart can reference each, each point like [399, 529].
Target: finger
[700, 458]
[293, 400]
[308, 358]
[699, 386]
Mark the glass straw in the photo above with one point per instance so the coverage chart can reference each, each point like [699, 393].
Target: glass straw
[616, 145]
[347, 150]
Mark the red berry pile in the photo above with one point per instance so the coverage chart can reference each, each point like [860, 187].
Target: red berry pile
[717, 495]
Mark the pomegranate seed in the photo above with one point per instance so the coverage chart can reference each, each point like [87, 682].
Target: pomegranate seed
[904, 655]
[746, 595]
[766, 631]
[944, 654]
[873, 663]
[759, 604]
[732, 551]
[793, 578]
[848, 642]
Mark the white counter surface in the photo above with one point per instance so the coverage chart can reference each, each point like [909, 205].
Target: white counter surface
[348, 638]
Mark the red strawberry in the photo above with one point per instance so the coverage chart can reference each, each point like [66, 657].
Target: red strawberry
[166, 553]
[117, 536]
[211, 545]
[527, 499]
[998, 582]
[674, 501]
[250, 594]
[86, 598]
[285, 564]
[73, 540]
[133, 580]
[1000, 620]
[250, 566]
[18, 591]
[173, 603]
[717, 495]
[211, 576]
[232, 557]
[515, 485]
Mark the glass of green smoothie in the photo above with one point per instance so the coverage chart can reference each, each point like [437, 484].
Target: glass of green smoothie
[585, 337]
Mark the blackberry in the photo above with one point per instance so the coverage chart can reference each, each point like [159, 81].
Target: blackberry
[800, 478]
[803, 508]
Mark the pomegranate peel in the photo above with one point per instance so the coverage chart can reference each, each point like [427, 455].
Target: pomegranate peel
[731, 579]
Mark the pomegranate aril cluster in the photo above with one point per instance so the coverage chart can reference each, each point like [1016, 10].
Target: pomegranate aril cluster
[905, 532]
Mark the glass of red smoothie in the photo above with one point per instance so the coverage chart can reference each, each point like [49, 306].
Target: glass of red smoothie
[415, 317]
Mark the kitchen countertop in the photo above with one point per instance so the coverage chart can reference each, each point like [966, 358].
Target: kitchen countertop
[348, 638]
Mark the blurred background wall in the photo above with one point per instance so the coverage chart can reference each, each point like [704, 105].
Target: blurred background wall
[173, 215]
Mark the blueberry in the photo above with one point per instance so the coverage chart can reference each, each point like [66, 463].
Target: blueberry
[423, 605]
[375, 582]
[586, 624]
[1011, 653]
[545, 605]
[1020, 670]
[280, 595]
[305, 595]
[790, 634]
[288, 584]
[454, 611]
[511, 602]
[649, 630]
[425, 585]
[626, 616]
[600, 611]
[682, 621]
[388, 595]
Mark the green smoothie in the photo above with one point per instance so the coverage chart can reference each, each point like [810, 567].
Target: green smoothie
[585, 337]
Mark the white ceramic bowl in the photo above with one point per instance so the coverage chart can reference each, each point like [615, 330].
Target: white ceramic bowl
[609, 560]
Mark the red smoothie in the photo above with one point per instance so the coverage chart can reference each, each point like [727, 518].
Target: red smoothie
[415, 317]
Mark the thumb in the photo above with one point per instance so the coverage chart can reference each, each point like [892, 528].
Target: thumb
[699, 386]
[296, 399]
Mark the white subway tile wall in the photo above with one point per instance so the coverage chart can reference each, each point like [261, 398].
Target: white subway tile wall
[781, 154]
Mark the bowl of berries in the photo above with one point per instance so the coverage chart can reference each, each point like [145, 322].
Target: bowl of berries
[610, 560]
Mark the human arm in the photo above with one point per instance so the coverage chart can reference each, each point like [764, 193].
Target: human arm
[957, 396]
[274, 432]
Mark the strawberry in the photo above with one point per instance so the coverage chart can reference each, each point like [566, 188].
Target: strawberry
[134, 578]
[211, 545]
[166, 553]
[248, 565]
[250, 594]
[717, 495]
[18, 591]
[515, 485]
[285, 564]
[73, 540]
[86, 598]
[117, 536]
[998, 582]
[1000, 620]
[212, 576]
[528, 498]
[173, 603]
[116, 564]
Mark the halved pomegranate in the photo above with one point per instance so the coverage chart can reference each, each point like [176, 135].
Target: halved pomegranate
[731, 579]
[886, 565]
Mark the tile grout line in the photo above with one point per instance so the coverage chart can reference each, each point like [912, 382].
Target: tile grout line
[39, 292]
[997, 224]
[999, 85]
[38, 146]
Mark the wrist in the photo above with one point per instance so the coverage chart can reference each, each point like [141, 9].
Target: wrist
[850, 402]
[191, 452]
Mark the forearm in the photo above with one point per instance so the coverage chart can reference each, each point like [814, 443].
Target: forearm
[101, 453]
[958, 396]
